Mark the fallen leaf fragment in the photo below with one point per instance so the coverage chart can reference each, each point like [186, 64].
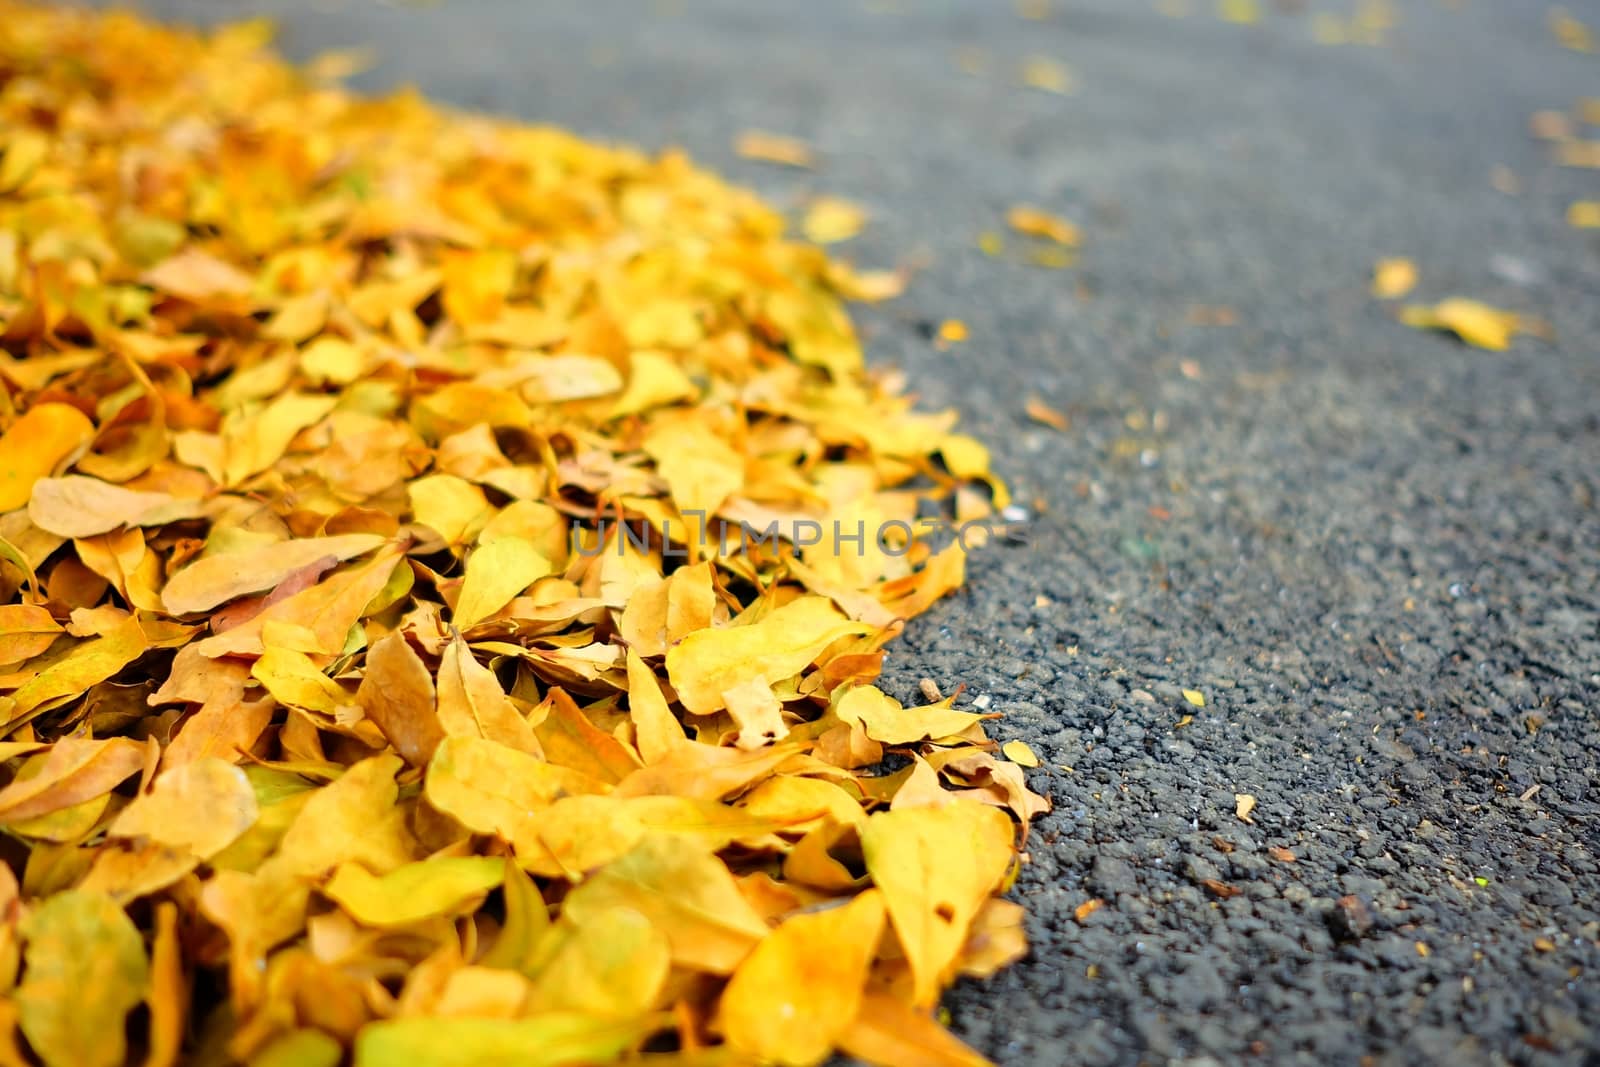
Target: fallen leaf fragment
[1033, 222]
[774, 148]
[1393, 278]
[1243, 12]
[829, 220]
[1087, 908]
[1475, 323]
[1041, 412]
[1019, 753]
[1570, 33]
[1584, 214]
[1243, 805]
[1195, 697]
[1050, 75]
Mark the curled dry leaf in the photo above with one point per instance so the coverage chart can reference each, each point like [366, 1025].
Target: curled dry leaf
[414, 644]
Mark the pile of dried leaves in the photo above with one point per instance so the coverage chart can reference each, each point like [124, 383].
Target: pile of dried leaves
[367, 680]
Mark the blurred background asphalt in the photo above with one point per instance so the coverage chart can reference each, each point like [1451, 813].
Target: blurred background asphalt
[1375, 551]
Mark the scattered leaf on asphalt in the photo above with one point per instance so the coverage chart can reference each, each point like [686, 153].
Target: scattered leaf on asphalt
[829, 220]
[1570, 33]
[1243, 12]
[775, 148]
[1195, 697]
[1584, 214]
[1243, 805]
[1019, 753]
[1041, 412]
[1475, 323]
[1034, 222]
[1393, 278]
[1050, 75]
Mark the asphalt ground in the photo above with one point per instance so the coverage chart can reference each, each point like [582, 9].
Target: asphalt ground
[1373, 550]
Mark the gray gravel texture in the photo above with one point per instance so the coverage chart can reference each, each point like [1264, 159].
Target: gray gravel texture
[1375, 550]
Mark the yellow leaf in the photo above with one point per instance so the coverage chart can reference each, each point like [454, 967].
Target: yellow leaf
[932, 901]
[1393, 278]
[829, 220]
[496, 572]
[168, 995]
[253, 442]
[1019, 753]
[324, 613]
[1584, 214]
[654, 379]
[1036, 223]
[1244, 804]
[26, 630]
[774, 148]
[1041, 72]
[216, 579]
[84, 961]
[451, 506]
[1195, 697]
[890, 1031]
[76, 506]
[556, 1039]
[492, 789]
[79, 667]
[1477, 324]
[613, 965]
[701, 469]
[886, 720]
[685, 892]
[802, 986]
[70, 772]
[295, 681]
[476, 283]
[198, 276]
[397, 695]
[519, 944]
[35, 445]
[1243, 12]
[708, 663]
[657, 731]
[443, 886]
[198, 808]
[472, 703]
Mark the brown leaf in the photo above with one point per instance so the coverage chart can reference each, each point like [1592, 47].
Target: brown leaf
[397, 694]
